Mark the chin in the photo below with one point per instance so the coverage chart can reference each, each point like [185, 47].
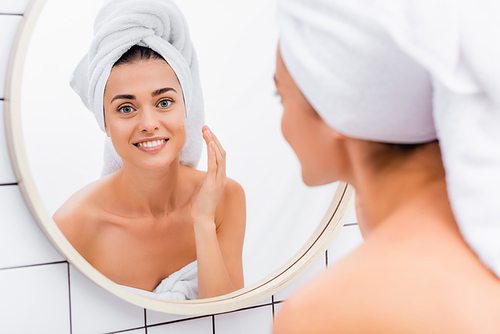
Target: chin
[310, 180]
[315, 179]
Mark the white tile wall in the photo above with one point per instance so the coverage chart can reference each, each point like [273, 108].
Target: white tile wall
[316, 268]
[13, 6]
[154, 318]
[250, 321]
[6, 171]
[35, 299]
[95, 310]
[22, 242]
[8, 27]
[135, 331]
[41, 293]
[199, 326]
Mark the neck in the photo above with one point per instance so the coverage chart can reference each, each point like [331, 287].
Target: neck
[414, 192]
[148, 192]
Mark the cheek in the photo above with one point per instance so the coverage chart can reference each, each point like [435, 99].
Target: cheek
[117, 129]
[287, 125]
[294, 127]
[177, 124]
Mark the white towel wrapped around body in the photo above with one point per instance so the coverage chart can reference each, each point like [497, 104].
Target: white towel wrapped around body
[408, 71]
[181, 285]
[160, 26]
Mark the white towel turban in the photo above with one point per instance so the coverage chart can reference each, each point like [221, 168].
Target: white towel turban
[160, 26]
[409, 71]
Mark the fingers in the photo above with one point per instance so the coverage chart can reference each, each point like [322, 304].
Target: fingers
[216, 154]
[212, 160]
[220, 154]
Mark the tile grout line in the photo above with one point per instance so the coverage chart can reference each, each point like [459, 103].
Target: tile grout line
[69, 294]
[213, 324]
[247, 308]
[125, 330]
[204, 316]
[272, 301]
[145, 322]
[8, 184]
[176, 321]
[11, 14]
[33, 265]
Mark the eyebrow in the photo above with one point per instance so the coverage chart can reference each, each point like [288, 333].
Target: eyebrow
[123, 97]
[161, 91]
[132, 97]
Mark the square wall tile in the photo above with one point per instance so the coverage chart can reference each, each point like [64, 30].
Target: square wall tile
[35, 299]
[6, 171]
[198, 326]
[250, 321]
[13, 7]
[316, 268]
[22, 242]
[8, 26]
[95, 310]
[348, 240]
[153, 317]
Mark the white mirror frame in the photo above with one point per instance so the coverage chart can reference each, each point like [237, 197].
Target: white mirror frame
[331, 224]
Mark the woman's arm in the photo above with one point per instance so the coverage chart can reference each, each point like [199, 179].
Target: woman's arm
[219, 225]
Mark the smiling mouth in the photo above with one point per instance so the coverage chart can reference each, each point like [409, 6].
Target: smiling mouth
[151, 143]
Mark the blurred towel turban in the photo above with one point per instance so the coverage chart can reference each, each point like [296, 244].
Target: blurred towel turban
[410, 71]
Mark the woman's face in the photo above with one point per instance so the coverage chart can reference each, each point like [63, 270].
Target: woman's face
[145, 113]
[316, 145]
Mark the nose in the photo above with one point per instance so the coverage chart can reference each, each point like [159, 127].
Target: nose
[149, 121]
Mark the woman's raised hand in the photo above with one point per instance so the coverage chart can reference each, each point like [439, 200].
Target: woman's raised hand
[210, 188]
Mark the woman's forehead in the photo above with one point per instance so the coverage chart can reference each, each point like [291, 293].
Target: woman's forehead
[149, 75]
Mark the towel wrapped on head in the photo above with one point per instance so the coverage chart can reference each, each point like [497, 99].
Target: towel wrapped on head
[406, 71]
[160, 26]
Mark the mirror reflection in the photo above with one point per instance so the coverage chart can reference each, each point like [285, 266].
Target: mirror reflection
[156, 218]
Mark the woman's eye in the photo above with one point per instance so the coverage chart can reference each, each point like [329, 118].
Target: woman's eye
[126, 109]
[164, 104]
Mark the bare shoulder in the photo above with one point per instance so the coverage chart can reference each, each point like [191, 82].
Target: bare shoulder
[328, 303]
[231, 206]
[78, 216]
[344, 298]
[391, 292]
[233, 193]
[232, 188]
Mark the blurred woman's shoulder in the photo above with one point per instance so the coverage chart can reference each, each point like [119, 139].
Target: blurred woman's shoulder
[376, 290]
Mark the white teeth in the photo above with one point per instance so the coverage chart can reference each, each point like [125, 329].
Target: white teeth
[153, 143]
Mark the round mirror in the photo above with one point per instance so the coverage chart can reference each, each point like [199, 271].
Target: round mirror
[57, 147]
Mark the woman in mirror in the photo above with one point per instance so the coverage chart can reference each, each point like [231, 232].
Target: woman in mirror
[154, 223]
[361, 108]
